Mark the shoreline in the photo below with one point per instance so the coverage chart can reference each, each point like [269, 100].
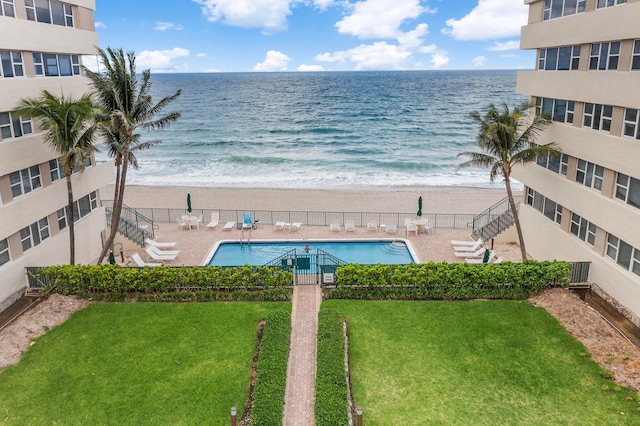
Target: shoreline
[436, 199]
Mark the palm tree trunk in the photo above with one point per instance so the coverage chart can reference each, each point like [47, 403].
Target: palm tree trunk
[516, 219]
[72, 234]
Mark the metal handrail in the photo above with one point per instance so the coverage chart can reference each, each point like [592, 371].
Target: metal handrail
[133, 216]
[130, 230]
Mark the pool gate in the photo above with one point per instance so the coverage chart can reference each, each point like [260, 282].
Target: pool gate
[309, 268]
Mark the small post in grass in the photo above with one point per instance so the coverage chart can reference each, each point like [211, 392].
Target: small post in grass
[359, 416]
[233, 416]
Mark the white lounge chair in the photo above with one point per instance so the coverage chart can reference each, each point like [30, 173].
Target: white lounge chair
[215, 220]
[228, 226]
[335, 225]
[295, 226]
[498, 260]
[141, 263]
[350, 226]
[466, 243]
[476, 253]
[473, 247]
[161, 257]
[158, 244]
[279, 226]
[391, 228]
[182, 224]
[162, 252]
[372, 225]
[410, 227]
[481, 259]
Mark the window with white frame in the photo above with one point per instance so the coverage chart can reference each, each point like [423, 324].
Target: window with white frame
[55, 65]
[583, 229]
[49, 12]
[85, 205]
[34, 234]
[56, 169]
[7, 9]
[631, 124]
[25, 180]
[558, 8]
[5, 256]
[12, 65]
[14, 127]
[544, 205]
[609, 3]
[597, 116]
[558, 164]
[62, 218]
[590, 174]
[635, 59]
[604, 56]
[559, 110]
[623, 253]
[628, 190]
[559, 58]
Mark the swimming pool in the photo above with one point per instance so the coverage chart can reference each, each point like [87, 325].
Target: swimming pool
[260, 252]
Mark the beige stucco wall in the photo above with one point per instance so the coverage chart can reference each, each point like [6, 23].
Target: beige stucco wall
[38, 37]
[14, 89]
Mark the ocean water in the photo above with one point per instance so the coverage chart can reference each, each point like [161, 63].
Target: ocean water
[321, 130]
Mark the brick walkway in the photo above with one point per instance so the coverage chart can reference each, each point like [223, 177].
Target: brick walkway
[301, 370]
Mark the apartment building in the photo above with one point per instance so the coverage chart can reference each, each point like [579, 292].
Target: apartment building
[585, 206]
[41, 47]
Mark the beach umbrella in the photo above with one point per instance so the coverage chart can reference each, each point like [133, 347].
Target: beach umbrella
[112, 258]
[189, 203]
[419, 206]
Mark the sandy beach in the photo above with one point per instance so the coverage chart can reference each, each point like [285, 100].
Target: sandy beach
[404, 200]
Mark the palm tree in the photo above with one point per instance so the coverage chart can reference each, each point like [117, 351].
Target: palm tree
[506, 139]
[128, 106]
[69, 127]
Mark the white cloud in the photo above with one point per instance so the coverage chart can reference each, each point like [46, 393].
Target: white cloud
[376, 56]
[323, 4]
[270, 15]
[162, 60]
[201, 55]
[212, 70]
[502, 46]
[379, 18]
[491, 19]
[91, 62]
[304, 67]
[164, 26]
[274, 61]
[99, 24]
[438, 60]
[479, 61]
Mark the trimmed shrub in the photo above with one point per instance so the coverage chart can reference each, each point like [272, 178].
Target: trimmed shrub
[331, 407]
[271, 381]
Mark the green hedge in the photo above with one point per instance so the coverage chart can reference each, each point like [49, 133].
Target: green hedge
[271, 381]
[331, 407]
[454, 281]
[85, 279]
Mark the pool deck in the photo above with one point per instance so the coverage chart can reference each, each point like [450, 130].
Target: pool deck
[195, 245]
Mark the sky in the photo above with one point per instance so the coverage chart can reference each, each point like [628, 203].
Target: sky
[315, 35]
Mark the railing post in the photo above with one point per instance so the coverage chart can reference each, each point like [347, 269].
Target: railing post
[359, 416]
[233, 416]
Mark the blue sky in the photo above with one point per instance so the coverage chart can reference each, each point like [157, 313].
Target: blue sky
[316, 35]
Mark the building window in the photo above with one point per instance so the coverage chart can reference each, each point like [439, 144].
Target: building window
[628, 190]
[558, 164]
[49, 12]
[11, 127]
[597, 116]
[583, 229]
[635, 60]
[4, 252]
[631, 123]
[624, 254]
[609, 3]
[604, 56]
[6, 9]
[557, 8]
[57, 169]
[34, 234]
[559, 110]
[544, 205]
[559, 58]
[84, 206]
[62, 218]
[53, 65]
[590, 174]
[12, 65]
[25, 181]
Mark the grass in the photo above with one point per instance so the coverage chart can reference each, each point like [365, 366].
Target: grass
[137, 364]
[479, 362]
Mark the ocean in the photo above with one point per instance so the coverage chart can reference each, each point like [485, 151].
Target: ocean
[321, 130]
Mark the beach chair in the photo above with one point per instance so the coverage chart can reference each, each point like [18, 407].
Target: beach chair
[474, 247]
[247, 221]
[410, 227]
[162, 252]
[215, 220]
[477, 253]
[467, 243]
[228, 226]
[158, 244]
[335, 225]
[372, 225]
[295, 226]
[182, 224]
[279, 226]
[350, 226]
[141, 263]
[488, 256]
[161, 257]
[391, 228]
[497, 261]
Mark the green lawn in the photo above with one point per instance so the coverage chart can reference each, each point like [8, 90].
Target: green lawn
[474, 363]
[137, 364]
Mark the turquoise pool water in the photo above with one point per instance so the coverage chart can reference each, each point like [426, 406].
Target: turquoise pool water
[362, 252]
